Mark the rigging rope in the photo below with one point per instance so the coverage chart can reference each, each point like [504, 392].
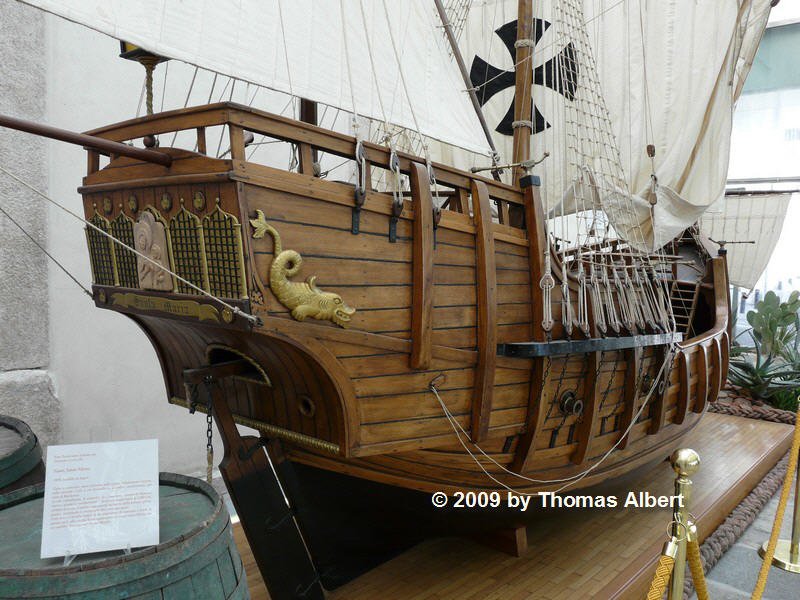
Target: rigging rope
[568, 481]
[235, 309]
[403, 78]
[44, 250]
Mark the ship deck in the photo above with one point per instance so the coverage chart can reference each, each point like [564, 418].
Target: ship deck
[606, 553]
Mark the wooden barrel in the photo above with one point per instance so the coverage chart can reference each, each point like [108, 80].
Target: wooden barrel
[196, 558]
[20, 455]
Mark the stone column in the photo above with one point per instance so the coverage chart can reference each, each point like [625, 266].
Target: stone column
[26, 388]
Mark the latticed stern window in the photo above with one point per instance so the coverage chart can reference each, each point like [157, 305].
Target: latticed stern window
[101, 251]
[122, 230]
[223, 241]
[188, 251]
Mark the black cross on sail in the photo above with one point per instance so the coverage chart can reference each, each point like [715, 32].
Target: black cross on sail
[560, 74]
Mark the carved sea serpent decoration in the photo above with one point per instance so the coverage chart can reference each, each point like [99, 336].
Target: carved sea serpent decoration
[303, 299]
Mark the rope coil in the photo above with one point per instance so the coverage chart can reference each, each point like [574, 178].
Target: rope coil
[517, 124]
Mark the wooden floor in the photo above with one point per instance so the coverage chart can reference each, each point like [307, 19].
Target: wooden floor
[604, 554]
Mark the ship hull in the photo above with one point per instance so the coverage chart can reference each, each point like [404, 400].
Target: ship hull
[436, 297]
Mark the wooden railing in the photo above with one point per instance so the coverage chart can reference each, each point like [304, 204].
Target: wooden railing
[237, 119]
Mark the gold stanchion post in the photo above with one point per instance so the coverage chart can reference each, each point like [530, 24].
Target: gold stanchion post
[685, 463]
[787, 552]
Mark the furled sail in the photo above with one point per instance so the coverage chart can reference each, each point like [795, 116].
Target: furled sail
[664, 74]
[401, 70]
[745, 217]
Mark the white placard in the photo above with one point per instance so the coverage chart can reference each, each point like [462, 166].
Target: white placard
[100, 497]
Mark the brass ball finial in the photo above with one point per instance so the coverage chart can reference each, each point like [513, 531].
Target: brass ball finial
[685, 461]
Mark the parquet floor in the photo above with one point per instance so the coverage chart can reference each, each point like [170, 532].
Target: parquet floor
[606, 553]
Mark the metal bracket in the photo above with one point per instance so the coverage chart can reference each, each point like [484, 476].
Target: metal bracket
[556, 347]
[360, 194]
[397, 208]
[437, 216]
[397, 203]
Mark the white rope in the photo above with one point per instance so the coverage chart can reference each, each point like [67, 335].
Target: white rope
[141, 97]
[403, 77]
[235, 309]
[164, 86]
[46, 253]
[361, 167]
[568, 481]
[611, 309]
[372, 65]
[186, 102]
[583, 301]
[596, 300]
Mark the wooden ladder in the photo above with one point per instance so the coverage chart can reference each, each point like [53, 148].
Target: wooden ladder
[683, 297]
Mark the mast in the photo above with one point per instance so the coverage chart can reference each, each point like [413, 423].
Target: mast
[308, 156]
[523, 125]
[448, 29]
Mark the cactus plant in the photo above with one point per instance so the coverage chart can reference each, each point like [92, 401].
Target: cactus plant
[770, 369]
[775, 323]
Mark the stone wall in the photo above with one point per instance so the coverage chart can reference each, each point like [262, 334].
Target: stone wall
[26, 388]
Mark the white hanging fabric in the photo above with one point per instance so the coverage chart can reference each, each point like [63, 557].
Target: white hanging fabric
[297, 47]
[669, 73]
[756, 217]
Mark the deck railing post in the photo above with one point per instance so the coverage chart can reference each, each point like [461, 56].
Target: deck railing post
[685, 463]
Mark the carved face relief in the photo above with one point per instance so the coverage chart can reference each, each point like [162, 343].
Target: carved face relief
[333, 307]
[150, 238]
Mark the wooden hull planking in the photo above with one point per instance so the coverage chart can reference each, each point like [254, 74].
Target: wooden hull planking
[431, 306]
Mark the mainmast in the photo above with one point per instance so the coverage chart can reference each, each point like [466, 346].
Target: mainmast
[523, 124]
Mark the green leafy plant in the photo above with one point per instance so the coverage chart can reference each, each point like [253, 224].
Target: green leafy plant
[786, 400]
[763, 377]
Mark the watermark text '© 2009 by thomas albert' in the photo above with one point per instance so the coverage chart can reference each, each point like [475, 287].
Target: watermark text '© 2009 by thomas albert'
[522, 502]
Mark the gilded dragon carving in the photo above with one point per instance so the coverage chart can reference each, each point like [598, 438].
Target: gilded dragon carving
[303, 299]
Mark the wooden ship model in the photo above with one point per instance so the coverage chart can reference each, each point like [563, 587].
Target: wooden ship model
[416, 326]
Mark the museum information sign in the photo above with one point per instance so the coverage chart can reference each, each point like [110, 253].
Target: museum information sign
[100, 497]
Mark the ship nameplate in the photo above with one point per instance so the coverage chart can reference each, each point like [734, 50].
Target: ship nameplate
[303, 298]
[178, 308]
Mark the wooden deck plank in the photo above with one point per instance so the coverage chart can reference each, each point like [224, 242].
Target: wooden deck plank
[608, 553]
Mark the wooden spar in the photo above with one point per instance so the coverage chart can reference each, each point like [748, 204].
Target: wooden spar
[448, 29]
[537, 402]
[524, 82]
[87, 141]
[422, 269]
[486, 274]
[308, 155]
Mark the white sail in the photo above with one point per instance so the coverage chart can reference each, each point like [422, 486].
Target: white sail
[668, 75]
[756, 217]
[308, 49]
